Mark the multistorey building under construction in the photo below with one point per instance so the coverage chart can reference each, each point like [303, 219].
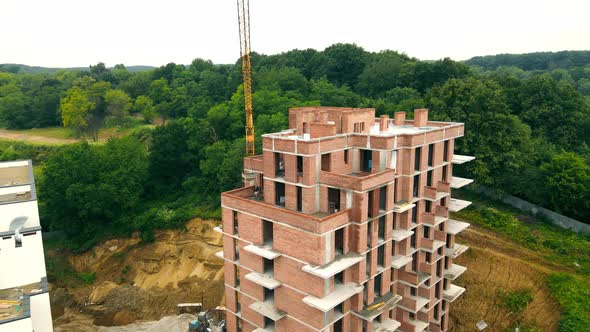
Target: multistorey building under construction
[343, 225]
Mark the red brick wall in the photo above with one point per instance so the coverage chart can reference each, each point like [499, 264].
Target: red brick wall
[299, 244]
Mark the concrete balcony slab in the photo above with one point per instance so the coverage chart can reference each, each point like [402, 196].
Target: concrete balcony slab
[380, 305]
[389, 325]
[402, 206]
[455, 226]
[267, 309]
[461, 159]
[263, 280]
[399, 261]
[457, 205]
[336, 266]
[453, 292]
[400, 234]
[419, 325]
[264, 251]
[457, 250]
[340, 294]
[457, 182]
[454, 272]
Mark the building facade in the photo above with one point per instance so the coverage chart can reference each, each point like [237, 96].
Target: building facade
[24, 296]
[343, 225]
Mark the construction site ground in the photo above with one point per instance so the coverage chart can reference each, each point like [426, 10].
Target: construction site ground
[141, 284]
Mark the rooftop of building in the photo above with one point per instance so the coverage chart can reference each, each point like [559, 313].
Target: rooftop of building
[15, 301]
[316, 122]
[17, 183]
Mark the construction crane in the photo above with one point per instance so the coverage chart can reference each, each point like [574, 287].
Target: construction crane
[245, 56]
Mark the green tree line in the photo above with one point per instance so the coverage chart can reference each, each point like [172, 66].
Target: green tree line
[528, 130]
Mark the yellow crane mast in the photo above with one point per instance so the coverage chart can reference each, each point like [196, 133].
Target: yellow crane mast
[245, 56]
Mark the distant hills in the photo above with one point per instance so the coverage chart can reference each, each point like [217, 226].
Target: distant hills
[23, 69]
[533, 61]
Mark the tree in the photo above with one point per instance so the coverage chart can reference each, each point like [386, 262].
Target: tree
[330, 95]
[381, 74]
[567, 185]
[13, 107]
[145, 106]
[75, 109]
[344, 63]
[118, 104]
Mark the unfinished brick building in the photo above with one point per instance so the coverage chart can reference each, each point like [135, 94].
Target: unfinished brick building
[343, 225]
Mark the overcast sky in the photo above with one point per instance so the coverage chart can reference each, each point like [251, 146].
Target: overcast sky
[68, 33]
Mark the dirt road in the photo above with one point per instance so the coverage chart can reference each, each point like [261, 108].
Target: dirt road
[26, 137]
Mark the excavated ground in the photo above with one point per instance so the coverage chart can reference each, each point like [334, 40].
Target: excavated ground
[139, 282]
[143, 282]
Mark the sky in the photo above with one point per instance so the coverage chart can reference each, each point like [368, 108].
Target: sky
[71, 33]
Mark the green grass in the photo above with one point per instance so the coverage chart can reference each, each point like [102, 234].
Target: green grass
[516, 301]
[573, 295]
[557, 245]
[51, 132]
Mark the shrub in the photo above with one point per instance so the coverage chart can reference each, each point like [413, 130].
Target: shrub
[517, 301]
[87, 277]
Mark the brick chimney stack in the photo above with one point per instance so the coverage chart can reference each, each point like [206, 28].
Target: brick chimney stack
[399, 118]
[420, 117]
[384, 122]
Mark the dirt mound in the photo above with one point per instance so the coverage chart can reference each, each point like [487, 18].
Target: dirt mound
[495, 265]
[137, 281]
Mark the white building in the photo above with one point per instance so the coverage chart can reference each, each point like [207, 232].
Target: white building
[24, 296]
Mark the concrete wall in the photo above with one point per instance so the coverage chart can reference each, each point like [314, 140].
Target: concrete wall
[24, 265]
[41, 313]
[17, 326]
[554, 217]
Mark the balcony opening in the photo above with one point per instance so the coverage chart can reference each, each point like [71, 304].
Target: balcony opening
[235, 221]
[429, 178]
[377, 285]
[436, 312]
[413, 291]
[370, 203]
[416, 188]
[446, 151]
[339, 278]
[269, 295]
[382, 197]
[306, 127]
[339, 241]
[269, 324]
[299, 199]
[279, 165]
[366, 160]
[237, 274]
[443, 201]
[381, 230]
[346, 156]
[449, 241]
[446, 263]
[428, 257]
[338, 324]
[415, 214]
[365, 297]
[428, 206]
[413, 241]
[395, 221]
[268, 266]
[369, 234]
[368, 264]
[395, 195]
[381, 256]
[444, 305]
[393, 160]
[446, 284]
[442, 320]
[333, 200]
[414, 262]
[299, 166]
[267, 232]
[439, 251]
[237, 249]
[426, 232]
[326, 162]
[437, 290]
[439, 268]
[280, 194]
[417, 158]
[430, 154]
[412, 316]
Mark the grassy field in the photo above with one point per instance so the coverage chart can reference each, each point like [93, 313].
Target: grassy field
[60, 135]
[521, 254]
